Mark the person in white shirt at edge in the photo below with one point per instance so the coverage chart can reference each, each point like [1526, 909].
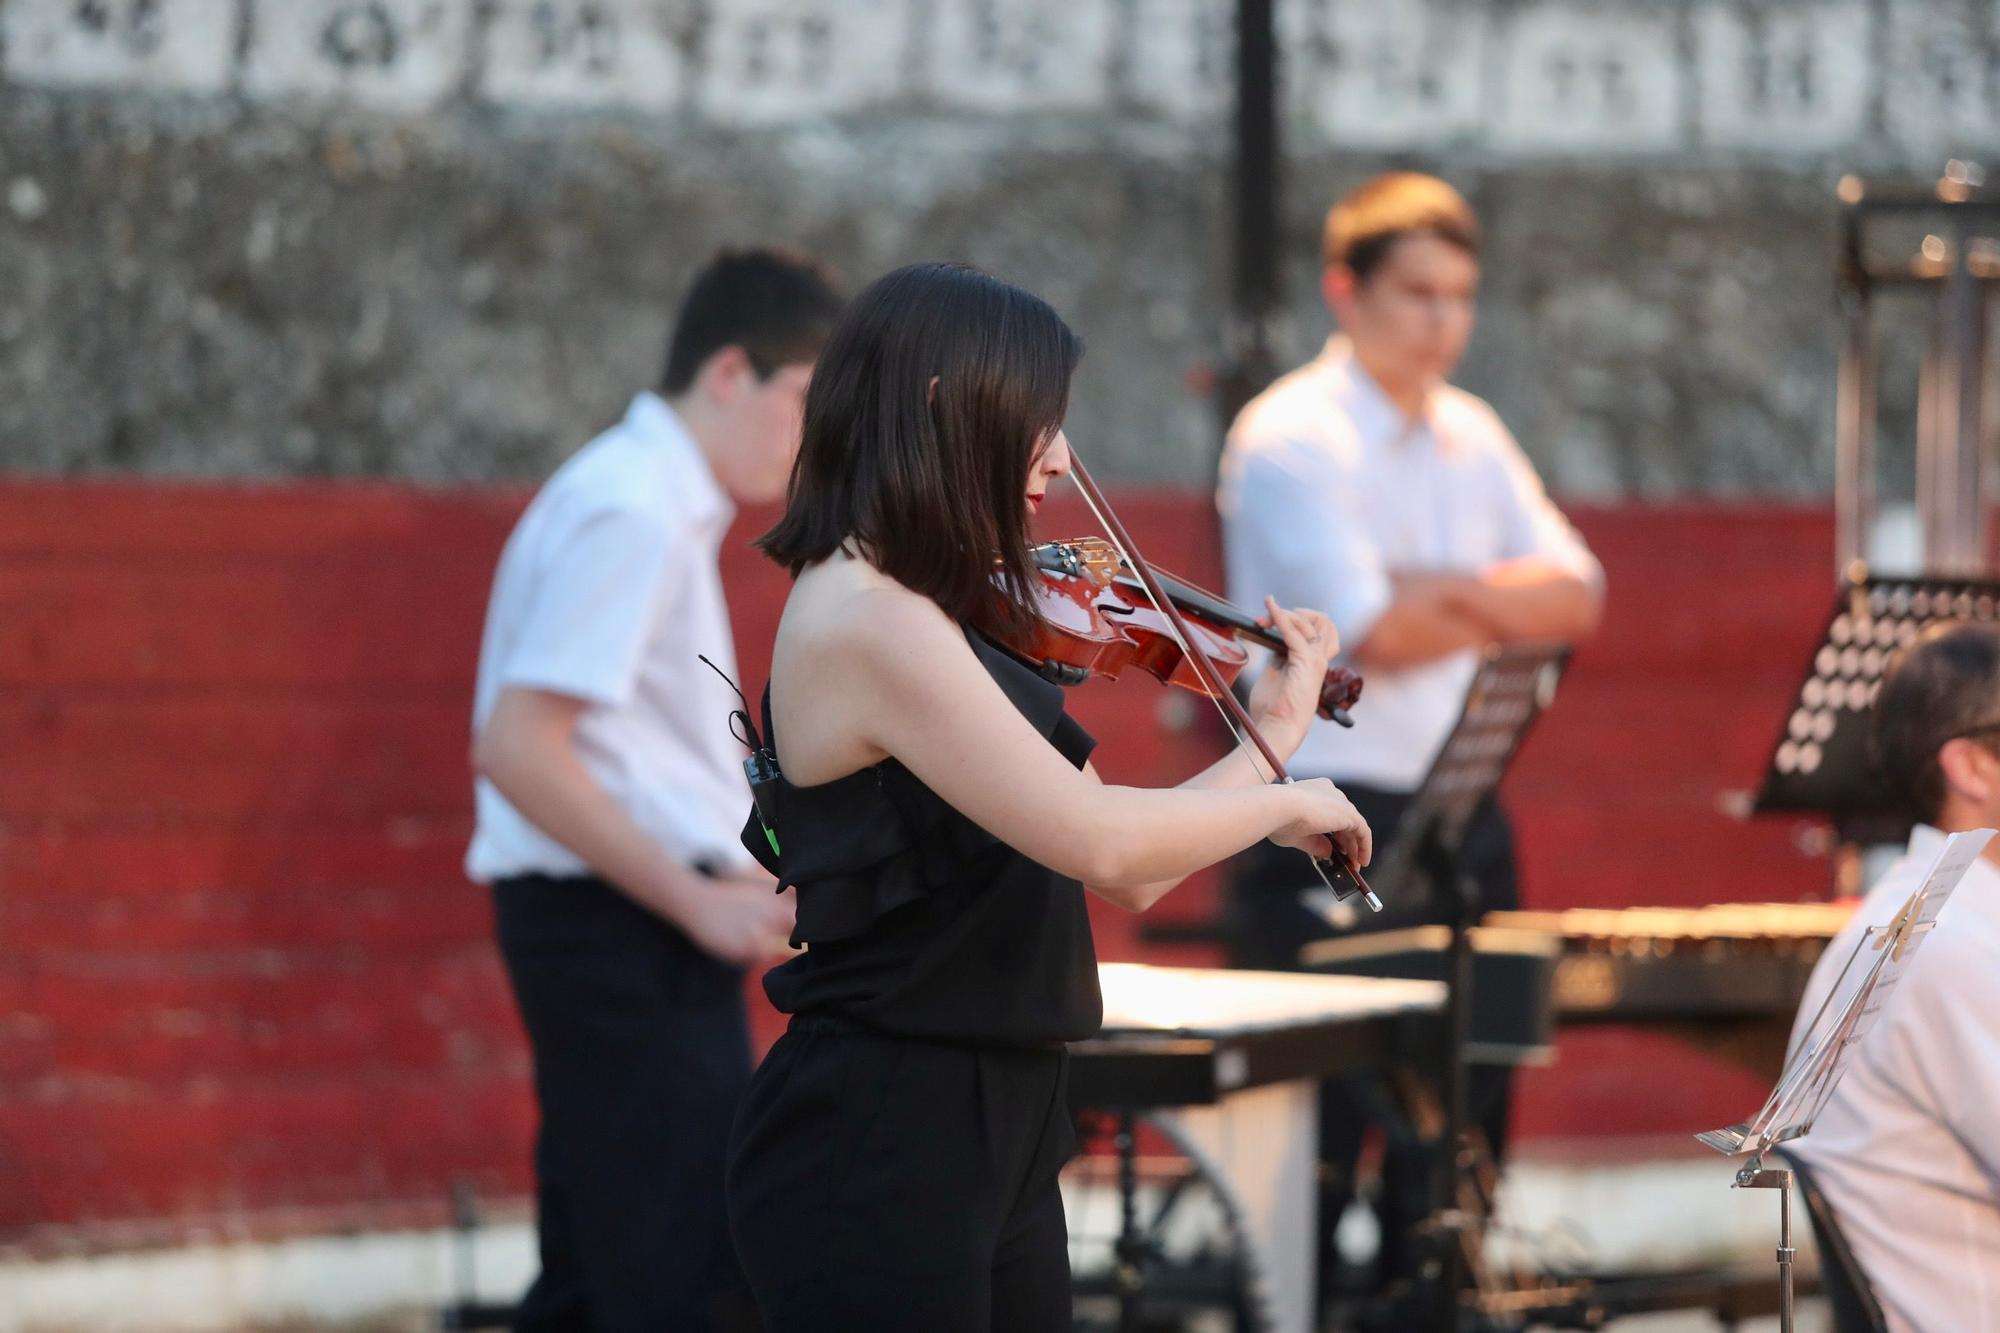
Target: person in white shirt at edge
[610, 796]
[1364, 484]
[1907, 1150]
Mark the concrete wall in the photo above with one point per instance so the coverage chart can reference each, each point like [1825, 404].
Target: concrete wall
[439, 239]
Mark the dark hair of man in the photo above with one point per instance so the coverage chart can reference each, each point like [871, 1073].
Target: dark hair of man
[930, 483]
[1365, 225]
[1946, 686]
[776, 304]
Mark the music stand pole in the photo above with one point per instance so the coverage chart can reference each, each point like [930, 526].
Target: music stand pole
[1756, 1176]
[1131, 1246]
[1448, 1223]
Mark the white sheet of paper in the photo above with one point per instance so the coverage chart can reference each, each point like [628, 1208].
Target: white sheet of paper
[1868, 981]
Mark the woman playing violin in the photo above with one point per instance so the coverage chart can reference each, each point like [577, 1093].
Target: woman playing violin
[894, 1165]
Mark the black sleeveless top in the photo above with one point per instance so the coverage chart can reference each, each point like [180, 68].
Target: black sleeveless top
[916, 921]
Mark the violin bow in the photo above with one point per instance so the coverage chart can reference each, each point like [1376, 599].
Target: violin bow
[1340, 876]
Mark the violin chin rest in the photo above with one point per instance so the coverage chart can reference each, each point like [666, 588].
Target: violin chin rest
[1067, 676]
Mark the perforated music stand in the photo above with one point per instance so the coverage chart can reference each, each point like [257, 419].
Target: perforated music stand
[1513, 686]
[1844, 1018]
[1821, 762]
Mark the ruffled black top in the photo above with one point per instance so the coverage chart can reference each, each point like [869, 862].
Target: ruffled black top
[916, 921]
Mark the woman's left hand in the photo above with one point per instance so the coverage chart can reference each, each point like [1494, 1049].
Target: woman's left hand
[1285, 699]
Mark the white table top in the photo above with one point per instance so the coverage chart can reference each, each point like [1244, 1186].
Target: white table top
[1141, 998]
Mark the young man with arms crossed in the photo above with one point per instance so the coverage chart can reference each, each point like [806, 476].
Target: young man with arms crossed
[1365, 484]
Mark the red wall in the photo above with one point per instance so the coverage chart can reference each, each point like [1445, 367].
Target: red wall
[239, 966]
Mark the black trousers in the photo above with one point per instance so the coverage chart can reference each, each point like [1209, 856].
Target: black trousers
[642, 1052]
[884, 1185]
[1267, 929]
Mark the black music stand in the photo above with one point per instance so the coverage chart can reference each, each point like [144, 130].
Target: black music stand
[1508, 694]
[1821, 762]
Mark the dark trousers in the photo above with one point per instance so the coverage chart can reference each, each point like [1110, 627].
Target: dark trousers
[1268, 928]
[884, 1185]
[642, 1052]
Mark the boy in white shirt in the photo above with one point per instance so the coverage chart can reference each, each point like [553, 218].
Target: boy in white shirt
[610, 796]
[1907, 1150]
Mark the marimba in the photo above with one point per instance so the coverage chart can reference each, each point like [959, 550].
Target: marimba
[1727, 977]
[1677, 964]
[1232, 1060]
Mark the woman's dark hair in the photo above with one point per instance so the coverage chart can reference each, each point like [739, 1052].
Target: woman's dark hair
[1945, 687]
[937, 388]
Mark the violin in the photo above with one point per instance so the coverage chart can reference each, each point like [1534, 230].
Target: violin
[1094, 619]
[1096, 628]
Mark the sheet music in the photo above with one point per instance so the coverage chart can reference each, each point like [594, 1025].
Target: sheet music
[1514, 684]
[1852, 1008]
[1920, 912]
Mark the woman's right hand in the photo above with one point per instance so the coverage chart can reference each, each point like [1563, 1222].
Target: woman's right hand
[1323, 817]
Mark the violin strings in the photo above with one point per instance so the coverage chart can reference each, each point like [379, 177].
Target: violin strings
[1173, 628]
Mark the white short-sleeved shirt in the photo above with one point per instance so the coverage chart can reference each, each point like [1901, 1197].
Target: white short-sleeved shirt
[1326, 488]
[1908, 1147]
[607, 591]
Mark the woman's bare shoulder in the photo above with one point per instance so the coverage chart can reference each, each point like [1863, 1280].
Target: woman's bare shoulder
[852, 649]
[848, 611]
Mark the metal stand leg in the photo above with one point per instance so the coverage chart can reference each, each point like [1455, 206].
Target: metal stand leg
[1449, 1226]
[463, 1312]
[1131, 1246]
[1757, 1176]
[1785, 1251]
[1458, 1223]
